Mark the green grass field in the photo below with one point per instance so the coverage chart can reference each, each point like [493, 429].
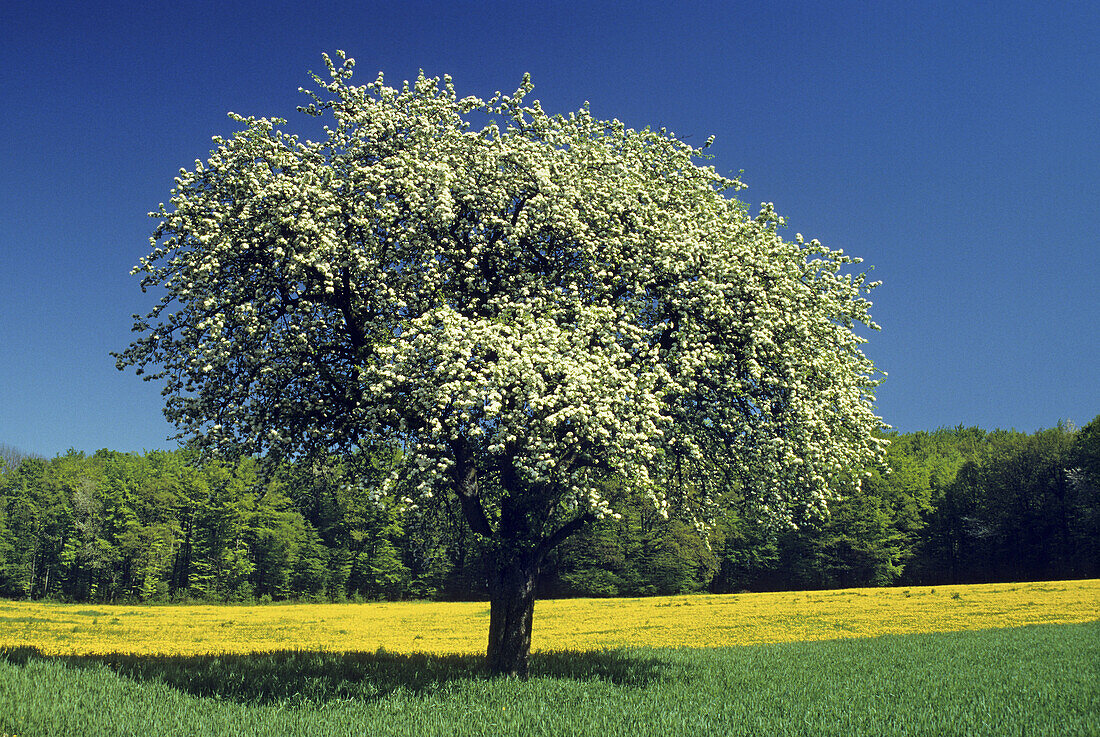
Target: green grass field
[1036, 680]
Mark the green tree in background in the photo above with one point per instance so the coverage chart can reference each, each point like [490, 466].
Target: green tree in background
[36, 514]
[1083, 473]
[1018, 508]
[959, 505]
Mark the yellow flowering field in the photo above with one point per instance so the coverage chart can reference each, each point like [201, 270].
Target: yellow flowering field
[565, 624]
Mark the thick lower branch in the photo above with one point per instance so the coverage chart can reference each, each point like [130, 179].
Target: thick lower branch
[464, 478]
[565, 531]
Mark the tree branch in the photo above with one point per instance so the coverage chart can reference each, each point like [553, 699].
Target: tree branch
[464, 476]
[570, 528]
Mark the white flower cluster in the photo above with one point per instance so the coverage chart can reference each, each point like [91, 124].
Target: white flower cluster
[545, 301]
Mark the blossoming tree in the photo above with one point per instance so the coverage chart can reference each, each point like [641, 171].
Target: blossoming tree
[522, 310]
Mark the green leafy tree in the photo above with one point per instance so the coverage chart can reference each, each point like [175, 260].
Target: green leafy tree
[591, 563]
[1085, 455]
[37, 518]
[222, 565]
[860, 545]
[361, 527]
[1026, 508]
[748, 552]
[1016, 509]
[523, 309]
[1083, 474]
[7, 550]
[273, 533]
[309, 576]
[642, 552]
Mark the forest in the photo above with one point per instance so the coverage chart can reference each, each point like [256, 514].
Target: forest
[960, 505]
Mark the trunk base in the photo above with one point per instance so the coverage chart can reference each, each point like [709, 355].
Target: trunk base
[511, 610]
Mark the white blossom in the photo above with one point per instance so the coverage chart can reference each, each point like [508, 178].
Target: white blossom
[564, 298]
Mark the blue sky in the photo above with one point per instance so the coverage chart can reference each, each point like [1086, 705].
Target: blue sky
[954, 146]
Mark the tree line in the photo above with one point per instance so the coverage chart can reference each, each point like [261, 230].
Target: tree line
[957, 505]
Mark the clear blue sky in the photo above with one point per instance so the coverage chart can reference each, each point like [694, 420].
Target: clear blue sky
[955, 146]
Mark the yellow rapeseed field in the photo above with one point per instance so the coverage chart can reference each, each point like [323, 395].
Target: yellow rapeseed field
[566, 624]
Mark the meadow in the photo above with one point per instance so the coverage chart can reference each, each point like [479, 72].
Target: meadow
[984, 660]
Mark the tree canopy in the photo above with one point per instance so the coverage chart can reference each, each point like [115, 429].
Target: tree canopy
[521, 311]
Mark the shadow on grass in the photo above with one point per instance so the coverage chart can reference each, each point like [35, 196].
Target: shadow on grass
[293, 677]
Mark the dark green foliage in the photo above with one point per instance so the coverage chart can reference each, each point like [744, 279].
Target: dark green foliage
[642, 554]
[957, 506]
[1084, 494]
[1024, 509]
[1038, 680]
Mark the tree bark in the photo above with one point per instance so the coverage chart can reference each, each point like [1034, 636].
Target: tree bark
[511, 610]
[518, 556]
[512, 603]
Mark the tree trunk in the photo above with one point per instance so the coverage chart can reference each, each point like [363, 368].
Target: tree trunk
[511, 609]
[519, 555]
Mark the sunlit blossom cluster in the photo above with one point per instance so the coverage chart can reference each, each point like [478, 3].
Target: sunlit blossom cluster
[551, 299]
